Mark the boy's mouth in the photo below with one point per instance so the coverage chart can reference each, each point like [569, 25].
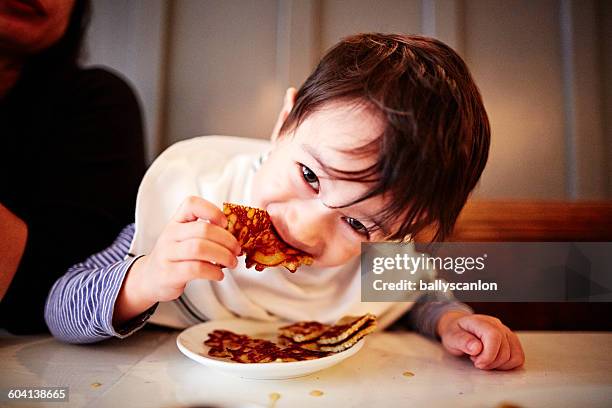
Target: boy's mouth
[282, 233]
[260, 241]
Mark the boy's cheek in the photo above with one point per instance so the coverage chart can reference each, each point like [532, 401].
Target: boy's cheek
[337, 252]
[272, 185]
[268, 190]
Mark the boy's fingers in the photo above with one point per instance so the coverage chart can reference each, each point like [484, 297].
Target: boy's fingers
[488, 334]
[517, 357]
[503, 355]
[205, 230]
[196, 207]
[196, 249]
[463, 342]
[200, 270]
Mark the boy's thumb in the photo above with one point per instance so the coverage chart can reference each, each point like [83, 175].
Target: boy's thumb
[464, 342]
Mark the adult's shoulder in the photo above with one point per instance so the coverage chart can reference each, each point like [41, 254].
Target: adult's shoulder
[100, 113]
[102, 85]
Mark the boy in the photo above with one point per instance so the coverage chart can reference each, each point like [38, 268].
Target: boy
[387, 136]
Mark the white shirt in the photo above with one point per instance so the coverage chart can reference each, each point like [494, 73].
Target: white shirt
[221, 169]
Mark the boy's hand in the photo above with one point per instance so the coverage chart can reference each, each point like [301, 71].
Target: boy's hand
[194, 245]
[488, 342]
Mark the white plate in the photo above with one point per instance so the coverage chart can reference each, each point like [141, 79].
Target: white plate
[191, 343]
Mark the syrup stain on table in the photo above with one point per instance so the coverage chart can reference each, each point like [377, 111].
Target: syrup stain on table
[507, 405]
[275, 396]
[316, 393]
[408, 374]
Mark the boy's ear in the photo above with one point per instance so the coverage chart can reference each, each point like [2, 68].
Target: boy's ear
[288, 103]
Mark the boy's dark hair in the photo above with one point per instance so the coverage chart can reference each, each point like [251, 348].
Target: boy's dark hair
[435, 141]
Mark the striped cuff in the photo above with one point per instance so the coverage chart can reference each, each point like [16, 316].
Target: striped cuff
[136, 323]
[116, 274]
[428, 309]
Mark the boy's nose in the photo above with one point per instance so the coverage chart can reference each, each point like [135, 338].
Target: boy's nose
[302, 224]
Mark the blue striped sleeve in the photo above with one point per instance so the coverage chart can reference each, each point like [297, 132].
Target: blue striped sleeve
[80, 305]
[428, 309]
[425, 314]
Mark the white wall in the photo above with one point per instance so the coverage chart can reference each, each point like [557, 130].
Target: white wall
[543, 67]
[129, 37]
[604, 23]
[343, 17]
[221, 74]
[517, 66]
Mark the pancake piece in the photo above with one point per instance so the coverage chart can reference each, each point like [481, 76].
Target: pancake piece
[256, 351]
[259, 240]
[303, 331]
[244, 349]
[339, 337]
[349, 342]
[345, 327]
[307, 340]
[306, 345]
[297, 353]
[225, 339]
[222, 341]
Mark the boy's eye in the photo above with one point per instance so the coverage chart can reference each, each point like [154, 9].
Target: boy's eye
[310, 178]
[357, 226]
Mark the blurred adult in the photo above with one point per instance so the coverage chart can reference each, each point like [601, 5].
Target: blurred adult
[71, 154]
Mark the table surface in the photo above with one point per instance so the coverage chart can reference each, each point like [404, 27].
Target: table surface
[148, 370]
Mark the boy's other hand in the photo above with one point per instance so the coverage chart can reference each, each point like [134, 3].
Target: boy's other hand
[489, 343]
[193, 245]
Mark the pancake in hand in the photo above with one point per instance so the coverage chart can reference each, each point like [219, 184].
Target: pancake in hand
[259, 240]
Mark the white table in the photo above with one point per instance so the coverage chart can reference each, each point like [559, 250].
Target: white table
[147, 370]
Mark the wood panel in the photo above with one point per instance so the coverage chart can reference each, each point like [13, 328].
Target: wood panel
[538, 221]
[534, 221]
[512, 50]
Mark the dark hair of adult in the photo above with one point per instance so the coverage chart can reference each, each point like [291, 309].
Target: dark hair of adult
[436, 136]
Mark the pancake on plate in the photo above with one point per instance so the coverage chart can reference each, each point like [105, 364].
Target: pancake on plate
[306, 340]
[244, 349]
[303, 331]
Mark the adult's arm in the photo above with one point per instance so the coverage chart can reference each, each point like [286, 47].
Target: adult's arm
[86, 164]
[14, 236]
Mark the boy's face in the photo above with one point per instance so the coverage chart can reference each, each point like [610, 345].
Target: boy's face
[297, 193]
